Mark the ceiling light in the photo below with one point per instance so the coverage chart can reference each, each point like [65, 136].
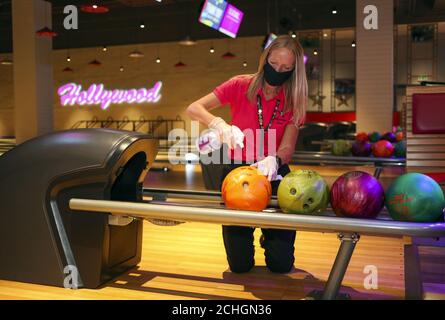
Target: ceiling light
[94, 8]
[180, 65]
[6, 62]
[95, 63]
[228, 55]
[46, 32]
[136, 54]
[187, 41]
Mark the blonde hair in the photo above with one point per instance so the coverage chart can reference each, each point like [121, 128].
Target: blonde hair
[295, 89]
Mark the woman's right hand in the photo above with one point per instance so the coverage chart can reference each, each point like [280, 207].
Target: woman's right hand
[231, 135]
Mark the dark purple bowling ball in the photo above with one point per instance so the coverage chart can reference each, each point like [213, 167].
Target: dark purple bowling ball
[389, 136]
[357, 194]
[361, 148]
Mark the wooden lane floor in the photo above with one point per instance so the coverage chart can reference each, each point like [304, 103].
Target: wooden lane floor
[188, 261]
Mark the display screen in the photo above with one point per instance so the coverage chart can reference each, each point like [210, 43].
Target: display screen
[212, 13]
[231, 21]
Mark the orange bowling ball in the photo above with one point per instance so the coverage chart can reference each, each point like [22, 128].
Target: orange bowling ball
[399, 136]
[244, 189]
[383, 149]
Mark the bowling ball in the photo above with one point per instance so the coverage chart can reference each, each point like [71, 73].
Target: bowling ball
[357, 194]
[400, 149]
[415, 197]
[361, 148]
[383, 149]
[341, 148]
[374, 136]
[245, 189]
[362, 136]
[389, 136]
[399, 129]
[303, 192]
[399, 136]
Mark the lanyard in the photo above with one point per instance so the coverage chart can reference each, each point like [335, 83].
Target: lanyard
[260, 113]
[260, 121]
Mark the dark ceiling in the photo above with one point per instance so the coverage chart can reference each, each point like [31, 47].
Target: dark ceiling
[172, 20]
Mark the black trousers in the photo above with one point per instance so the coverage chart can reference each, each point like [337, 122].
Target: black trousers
[278, 244]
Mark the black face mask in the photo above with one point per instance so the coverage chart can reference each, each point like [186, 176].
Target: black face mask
[275, 78]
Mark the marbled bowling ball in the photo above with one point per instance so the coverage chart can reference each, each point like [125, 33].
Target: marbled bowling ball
[245, 189]
[400, 149]
[361, 149]
[383, 149]
[303, 192]
[415, 197]
[357, 194]
[362, 136]
[374, 136]
[341, 148]
[389, 136]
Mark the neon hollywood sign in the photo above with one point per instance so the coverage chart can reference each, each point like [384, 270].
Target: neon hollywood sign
[72, 94]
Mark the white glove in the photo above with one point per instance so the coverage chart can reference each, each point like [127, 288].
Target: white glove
[231, 135]
[267, 167]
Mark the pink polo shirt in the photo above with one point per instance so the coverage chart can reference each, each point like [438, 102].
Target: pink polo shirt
[244, 114]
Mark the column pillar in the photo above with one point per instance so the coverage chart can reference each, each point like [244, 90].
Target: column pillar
[33, 71]
[375, 68]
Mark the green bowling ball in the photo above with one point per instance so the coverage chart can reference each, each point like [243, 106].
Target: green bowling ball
[374, 136]
[303, 192]
[341, 148]
[400, 149]
[415, 197]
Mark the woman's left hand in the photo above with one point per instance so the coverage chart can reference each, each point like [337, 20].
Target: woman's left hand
[268, 167]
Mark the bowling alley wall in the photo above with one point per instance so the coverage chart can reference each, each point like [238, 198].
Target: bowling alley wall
[331, 67]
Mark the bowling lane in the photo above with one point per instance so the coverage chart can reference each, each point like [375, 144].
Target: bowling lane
[189, 177]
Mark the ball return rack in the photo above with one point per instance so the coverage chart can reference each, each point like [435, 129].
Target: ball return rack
[74, 201]
[348, 230]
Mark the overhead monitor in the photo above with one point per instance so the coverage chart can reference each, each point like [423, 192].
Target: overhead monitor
[221, 16]
[212, 13]
[231, 21]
